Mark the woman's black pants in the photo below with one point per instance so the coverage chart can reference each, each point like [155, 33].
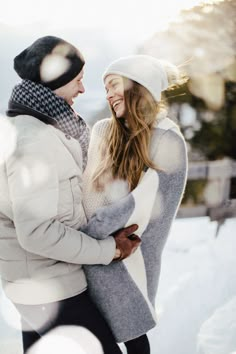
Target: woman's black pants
[138, 345]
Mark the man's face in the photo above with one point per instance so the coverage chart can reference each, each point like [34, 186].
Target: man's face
[71, 90]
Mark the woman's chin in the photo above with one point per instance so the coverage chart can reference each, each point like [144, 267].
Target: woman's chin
[119, 115]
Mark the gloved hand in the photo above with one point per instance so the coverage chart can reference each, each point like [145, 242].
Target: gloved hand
[126, 242]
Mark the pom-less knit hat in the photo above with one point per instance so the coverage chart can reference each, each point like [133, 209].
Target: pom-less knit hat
[50, 61]
[144, 69]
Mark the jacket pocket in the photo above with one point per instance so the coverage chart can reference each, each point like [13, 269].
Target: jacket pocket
[65, 202]
[78, 210]
[69, 204]
[75, 190]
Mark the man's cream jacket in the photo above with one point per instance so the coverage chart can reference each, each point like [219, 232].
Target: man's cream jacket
[41, 249]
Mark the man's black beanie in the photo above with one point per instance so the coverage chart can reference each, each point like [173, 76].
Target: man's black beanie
[50, 61]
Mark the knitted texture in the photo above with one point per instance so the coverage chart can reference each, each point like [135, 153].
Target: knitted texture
[50, 61]
[144, 69]
[125, 291]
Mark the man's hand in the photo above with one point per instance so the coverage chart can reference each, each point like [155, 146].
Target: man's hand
[126, 242]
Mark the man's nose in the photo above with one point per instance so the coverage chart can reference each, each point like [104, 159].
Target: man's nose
[81, 88]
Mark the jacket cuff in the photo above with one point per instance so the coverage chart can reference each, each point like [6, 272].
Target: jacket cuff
[108, 249]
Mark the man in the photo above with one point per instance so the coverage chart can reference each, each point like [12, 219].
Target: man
[41, 249]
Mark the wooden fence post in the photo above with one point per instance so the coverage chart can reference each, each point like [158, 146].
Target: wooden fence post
[218, 205]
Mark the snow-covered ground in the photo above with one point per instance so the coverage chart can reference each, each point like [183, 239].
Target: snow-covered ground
[196, 300]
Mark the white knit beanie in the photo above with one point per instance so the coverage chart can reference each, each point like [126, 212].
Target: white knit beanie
[144, 69]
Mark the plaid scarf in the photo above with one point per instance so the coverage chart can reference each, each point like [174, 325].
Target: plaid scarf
[45, 103]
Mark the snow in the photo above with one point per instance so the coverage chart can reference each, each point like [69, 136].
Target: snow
[196, 302]
[198, 277]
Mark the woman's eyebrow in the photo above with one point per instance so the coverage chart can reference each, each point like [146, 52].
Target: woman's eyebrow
[111, 80]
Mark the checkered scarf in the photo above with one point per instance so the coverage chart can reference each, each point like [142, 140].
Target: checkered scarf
[43, 100]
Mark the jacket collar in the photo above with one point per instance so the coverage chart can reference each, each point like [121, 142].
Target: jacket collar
[16, 109]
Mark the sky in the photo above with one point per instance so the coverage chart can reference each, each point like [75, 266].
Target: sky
[142, 17]
[103, 30]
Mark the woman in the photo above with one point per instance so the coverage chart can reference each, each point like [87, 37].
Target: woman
[136, 172]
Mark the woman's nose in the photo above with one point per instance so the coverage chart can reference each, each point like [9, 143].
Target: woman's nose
[109, 94]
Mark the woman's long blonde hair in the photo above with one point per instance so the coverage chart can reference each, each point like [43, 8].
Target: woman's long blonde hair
[125, 150]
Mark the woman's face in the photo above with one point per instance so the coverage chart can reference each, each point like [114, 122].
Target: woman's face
[114, 86]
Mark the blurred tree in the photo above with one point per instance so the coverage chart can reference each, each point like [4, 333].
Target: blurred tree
[205, 106]
[215, 137]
